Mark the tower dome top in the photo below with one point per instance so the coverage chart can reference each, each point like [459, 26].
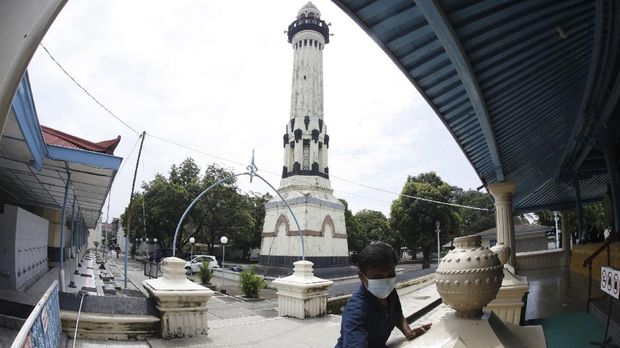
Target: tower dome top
[308, 18]
[309, 10]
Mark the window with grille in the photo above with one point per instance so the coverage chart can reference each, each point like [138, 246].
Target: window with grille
[306, 156]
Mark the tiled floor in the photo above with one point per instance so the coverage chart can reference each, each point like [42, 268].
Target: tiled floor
[556, 291]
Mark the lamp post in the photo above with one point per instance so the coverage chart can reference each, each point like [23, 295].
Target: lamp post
[438, 230]
[223, 240]
[192, 240]
[557, 233]
[147, 249]
[137, 246]
[155, 250]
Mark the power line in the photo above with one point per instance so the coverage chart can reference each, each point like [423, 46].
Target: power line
[188, 147]
[129, 155]
[409, 196]
[336, 177]
[88, 93]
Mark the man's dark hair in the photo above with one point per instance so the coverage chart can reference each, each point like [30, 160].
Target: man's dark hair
[376, 254]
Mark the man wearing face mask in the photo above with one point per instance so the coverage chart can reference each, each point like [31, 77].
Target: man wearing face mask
[374, 309]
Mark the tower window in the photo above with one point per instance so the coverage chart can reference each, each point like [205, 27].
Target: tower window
[304, 77]
[306, 155]
[321, 165]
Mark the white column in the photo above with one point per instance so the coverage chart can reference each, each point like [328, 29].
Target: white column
[509, 304]
[502, 192]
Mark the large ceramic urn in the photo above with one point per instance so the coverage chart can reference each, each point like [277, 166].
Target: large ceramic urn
[469, 277]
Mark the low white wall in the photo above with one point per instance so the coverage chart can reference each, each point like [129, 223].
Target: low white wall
[542, 259]
[234, 276]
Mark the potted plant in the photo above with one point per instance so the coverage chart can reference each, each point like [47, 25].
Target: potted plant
[251, 284]
[205, 274]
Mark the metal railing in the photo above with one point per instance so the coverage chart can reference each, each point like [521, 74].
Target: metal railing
[613, 236]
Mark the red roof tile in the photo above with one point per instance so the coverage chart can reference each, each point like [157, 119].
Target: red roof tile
[56, 137]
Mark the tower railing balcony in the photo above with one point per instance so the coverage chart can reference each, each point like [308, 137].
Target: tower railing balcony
[308, 23]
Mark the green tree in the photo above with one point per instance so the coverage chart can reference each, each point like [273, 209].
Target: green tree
[256, 205]
[414, 219]
[474, 221]
[374, 226]
[545, 218]
[222, 211]
[356, 238]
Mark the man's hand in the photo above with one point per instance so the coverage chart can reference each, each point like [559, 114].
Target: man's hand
[413, 333]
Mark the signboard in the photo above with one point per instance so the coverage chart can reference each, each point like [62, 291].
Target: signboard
[610, 281]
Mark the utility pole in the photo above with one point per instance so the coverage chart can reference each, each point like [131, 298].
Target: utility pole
[133, 185]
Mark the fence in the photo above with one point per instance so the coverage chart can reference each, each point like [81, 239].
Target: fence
[42, 329]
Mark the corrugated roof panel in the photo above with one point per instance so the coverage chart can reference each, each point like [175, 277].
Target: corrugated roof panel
[530, 61]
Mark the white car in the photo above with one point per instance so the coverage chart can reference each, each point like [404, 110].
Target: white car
[196, 263]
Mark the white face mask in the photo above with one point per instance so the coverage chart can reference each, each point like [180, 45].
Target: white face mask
[381, 288]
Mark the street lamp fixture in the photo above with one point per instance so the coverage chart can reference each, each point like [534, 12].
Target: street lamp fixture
[223, 240]
[192, 240]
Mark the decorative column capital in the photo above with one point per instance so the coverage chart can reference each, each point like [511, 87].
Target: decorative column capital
[502, 191]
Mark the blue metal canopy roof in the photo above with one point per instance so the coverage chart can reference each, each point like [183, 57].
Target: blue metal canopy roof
[33, 173]
[524, 87]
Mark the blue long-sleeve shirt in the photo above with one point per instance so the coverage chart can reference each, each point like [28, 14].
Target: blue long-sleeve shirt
[365, 323]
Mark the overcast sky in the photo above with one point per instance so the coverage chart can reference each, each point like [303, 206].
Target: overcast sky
[216, 75]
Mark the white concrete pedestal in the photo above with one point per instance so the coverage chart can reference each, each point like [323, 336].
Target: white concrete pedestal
[302, 295]
[508, 303]
[182, 303]
[486, 332]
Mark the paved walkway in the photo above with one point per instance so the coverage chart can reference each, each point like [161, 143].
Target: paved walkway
[228, 315]
[235, 323]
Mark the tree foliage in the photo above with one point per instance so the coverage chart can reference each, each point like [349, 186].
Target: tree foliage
[374, 226]
[474, 221]
[414, 220]
[356, 240]
[221, 211]
[593, 218]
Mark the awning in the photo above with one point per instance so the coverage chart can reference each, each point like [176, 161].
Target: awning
[33, 173]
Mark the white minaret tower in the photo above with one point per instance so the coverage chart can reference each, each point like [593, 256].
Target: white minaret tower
[305, 175]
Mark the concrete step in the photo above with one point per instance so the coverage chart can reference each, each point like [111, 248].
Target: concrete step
[100, 326]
